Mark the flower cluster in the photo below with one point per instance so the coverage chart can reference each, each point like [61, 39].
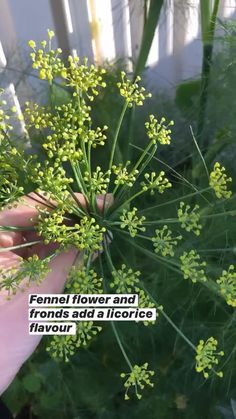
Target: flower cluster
[191, 266]
[164, 242]
[154, 181]
[86, 236]
[207, 357]
[29, 270]
[52, 180]
[10, 193]
[84, 281]
[190, 218]
[123, 176]
[144, 301]
[5, 125]
[227, 285]
[132, 222]
[36, 116]
[219, 181]
[63, 347]
[124, 279]
[131, 91]
[66, 128]
[137, 379]
[97, 181]
[158, 131]
[94, 137]
[90, 235]
[84, 78]
[47, 62]
[13, 164]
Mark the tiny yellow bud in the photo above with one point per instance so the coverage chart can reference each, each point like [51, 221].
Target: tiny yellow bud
[51, 34]
[64, 74]
[32, 44]
[42, 74]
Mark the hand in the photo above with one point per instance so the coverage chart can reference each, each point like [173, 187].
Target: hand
[16, 345]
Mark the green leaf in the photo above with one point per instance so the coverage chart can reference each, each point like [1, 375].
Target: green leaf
[32, 383]
[15, 396]
[186, 94]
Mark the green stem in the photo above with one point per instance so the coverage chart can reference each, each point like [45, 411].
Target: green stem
[14, 228]
[117, 134]
[220, 214]
[208, 29]
[141, 158]
[121, 346]
[161, 311]
[178, 175]
[143, 155]
[19, 246]
[178, 330]
[112, 323]
[175, 200]
[80, 209]
[170, 264]
[119, 207]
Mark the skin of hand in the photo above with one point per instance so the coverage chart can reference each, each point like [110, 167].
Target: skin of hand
[16, 345]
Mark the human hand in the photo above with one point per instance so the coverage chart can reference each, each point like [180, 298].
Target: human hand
[16, 345]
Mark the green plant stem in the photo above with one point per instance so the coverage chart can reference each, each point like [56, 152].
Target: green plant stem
[14, 228]
[208, 32]
[80, 209]
[170, 264]
[79, 179]
[19, 246]
[112, 323]
[85, 156]
[220, 214]
[117, 134]
[125, 187]
[190, 195]
[178, 175]
[88, 263]
[200, 153]
[229, 249]
[180, 333]
[46, 203]
[121, 346]
[89, 159]
[119, 207]
[143, 155]
[161, 311]
[149, 29]
[151, 18]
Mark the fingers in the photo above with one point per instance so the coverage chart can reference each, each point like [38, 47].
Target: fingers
[26, 213]
[10, 238]
[104, 201]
